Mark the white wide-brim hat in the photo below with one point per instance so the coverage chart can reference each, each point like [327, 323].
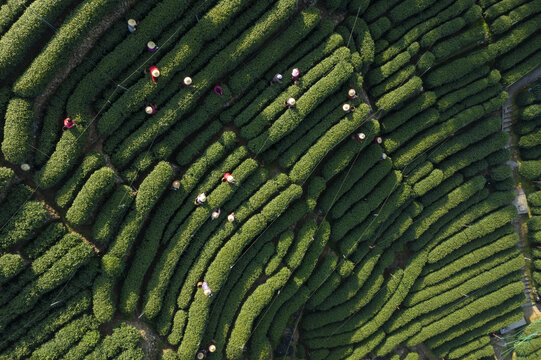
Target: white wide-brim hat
[155, 72]
[346, 107]
[187, 80]
[351, 92]
[291, 101]
[148, 109]
[151, 44]
[132, 22]
[361, 135]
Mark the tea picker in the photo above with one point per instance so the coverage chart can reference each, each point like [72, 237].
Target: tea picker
[290, 102]
[68, 124]
[132, 25]
[154, 73]
[215, 214]
[206, 288]
[150, 109]
[229, 178]
[200, 199]
[151, 46]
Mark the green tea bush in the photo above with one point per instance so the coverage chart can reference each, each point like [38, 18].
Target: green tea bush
[98, 185]
[18, 129]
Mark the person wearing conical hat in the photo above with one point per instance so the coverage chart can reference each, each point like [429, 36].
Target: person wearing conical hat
[229, 178]
[154, 73]
[295, 74]
[383, 156]
[215, 214]
[201, 354]
[206, 288]
[277, 79]
[150, 109]
[175, 185]
[352, 94]
[231, 217]
[132, 25]
[201, 198]
[68, 124]
[188, 82]
[290, 102]
[211, 347]
[360, 136]
[347, 108]
[151, 46]
[378, 140]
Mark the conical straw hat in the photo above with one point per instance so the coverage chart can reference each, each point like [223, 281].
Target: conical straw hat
[132, 22]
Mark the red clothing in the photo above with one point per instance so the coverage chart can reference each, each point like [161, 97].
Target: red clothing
[151, 69]
[68, 123]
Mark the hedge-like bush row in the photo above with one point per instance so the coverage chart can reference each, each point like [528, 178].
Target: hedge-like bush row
[457, 143]
[23, 34]
[65, 338]
[460, 351]
[452, 98]
[470, 259]
[103, 304]
[404, 35]
[302, 24]
[484, 226]
[382, 72]
[293, 287]
[475, 152]
[88, 342]
[508, 315]
[98, 185]
[317, 68]
[206, 185]
[304, 167]
[401, 115]
[396, 199]
[410, 129]
[111, 214]
[7, 178]
[440, 208]
[23, 224]
[370, 156]
[124, 337]
[166, 266]
[68, 148]
[390, 100]
[9, 12]
[501, 7]
[459, 42]
[444, 298]
[59, 49]
[40, 265]
[92, 161]
[239, 291]
[355, 293]
[209, 27]
[289, 149]
[151, 240]
[284, 242]
[251, 204]
[314, 96]
[251, 308]
[149, 193]
[411, 272]
[18, 130]
[360, 317]
[361, 189]
[468, 312]
[220, 65]
[226, 257]
[362, 209]
[35, 335]
[434, 135]
[56, 275]
[446, 29]
[10, 266]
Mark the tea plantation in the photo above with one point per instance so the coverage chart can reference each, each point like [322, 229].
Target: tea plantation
[358, 193]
